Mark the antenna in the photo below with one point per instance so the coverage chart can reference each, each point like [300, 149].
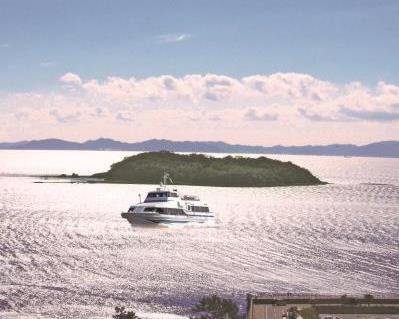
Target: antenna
[165, 179]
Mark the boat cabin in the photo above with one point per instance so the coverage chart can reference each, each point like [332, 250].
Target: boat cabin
[160, 196]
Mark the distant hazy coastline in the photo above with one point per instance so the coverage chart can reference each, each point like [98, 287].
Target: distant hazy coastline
[378, 149]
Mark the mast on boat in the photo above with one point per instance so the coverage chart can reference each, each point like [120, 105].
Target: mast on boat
[164, 180]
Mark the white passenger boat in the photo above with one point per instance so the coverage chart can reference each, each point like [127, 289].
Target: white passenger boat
[167, 206]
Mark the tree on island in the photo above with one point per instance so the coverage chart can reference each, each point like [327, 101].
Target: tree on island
[214, 307]
[121, 313]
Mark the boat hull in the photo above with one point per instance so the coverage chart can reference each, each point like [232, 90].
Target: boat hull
[155, 218]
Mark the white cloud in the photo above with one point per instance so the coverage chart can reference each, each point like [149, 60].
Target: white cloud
[71, 78]
[297, 106]
[173, 37]
[65, 118]
[124, 117]
[253, 115]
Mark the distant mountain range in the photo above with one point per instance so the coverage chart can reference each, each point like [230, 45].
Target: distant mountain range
[378, 149]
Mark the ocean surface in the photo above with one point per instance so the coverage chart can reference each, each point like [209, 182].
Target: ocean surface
[65, 252]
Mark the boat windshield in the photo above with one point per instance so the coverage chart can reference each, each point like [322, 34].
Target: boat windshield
[159, 196]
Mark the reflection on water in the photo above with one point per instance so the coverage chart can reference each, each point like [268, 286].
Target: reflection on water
[65, 251]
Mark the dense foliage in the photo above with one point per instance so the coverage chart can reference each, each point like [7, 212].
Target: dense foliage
[308, 313]
[121, 313]
[197, 169]
[214, 307]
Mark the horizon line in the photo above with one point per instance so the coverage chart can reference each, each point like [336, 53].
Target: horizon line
[191, 141]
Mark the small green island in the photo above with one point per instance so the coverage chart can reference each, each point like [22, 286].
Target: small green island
[202, 170]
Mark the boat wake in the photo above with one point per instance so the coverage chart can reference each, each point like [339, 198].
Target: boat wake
[207, 224]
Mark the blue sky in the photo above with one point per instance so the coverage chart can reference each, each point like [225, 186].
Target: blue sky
[338, 41]
[250, 72]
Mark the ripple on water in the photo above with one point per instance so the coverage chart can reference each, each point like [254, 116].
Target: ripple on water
[65, 251]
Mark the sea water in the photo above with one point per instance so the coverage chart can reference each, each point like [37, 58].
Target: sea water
[65, 251]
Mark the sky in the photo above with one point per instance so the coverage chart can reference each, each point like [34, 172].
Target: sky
[248, 72]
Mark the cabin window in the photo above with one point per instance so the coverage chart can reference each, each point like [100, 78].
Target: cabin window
[171, 194]
[164, 210]
[131, 208]
[153, 209]
[155, 195]
[161, 210]
[202, 209]
[190, 197]
[173, 211]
